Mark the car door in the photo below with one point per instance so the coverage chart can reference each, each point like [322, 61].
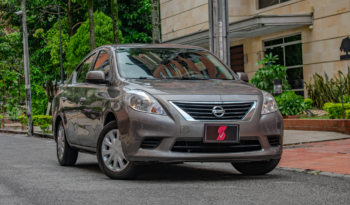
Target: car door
[69, 109]
[78, 90]
[90, 117]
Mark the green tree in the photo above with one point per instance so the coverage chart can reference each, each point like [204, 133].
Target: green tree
[78, 46]
[264, 77]
[114, 11]
[136, 21]
[90, 7]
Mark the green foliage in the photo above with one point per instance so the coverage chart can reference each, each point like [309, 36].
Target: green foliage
[347, 114]
[346, 98]
[79, 45]
[23, 120]
[37, 119]
[53, 41]
[14, 113]
[290, 103]
[322, 90]
[136, 20]
[42, 120]
[45, 127]
[264, 77]
[308, 103]
[335, 110]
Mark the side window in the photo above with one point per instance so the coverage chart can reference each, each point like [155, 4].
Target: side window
[103, 64]
[84, 69]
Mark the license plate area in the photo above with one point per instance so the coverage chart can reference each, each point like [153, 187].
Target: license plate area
[221, 134]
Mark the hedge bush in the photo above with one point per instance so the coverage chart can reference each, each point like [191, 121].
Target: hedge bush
[308, 103]
[37, 120]
[290, 103]
[335, 110]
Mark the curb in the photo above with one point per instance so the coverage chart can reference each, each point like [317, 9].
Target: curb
[305, 143]
[35, 134]
[315, 172]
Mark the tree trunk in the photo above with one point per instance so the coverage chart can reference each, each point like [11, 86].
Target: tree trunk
[70, 18]
[90, 4]
[114, 10]
[155, 21]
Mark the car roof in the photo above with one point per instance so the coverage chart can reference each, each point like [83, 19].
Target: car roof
[139, 45]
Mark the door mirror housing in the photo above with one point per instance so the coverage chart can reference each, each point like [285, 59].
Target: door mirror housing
[95, 77]
[243, 76]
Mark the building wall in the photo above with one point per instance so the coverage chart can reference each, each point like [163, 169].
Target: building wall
[321, 45]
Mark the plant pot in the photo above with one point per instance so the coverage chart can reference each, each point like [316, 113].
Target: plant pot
[291, 116]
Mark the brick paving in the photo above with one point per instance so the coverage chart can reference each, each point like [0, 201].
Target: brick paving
[331, 156]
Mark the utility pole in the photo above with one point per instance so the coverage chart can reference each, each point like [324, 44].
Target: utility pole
[219, 39]
[26, 68]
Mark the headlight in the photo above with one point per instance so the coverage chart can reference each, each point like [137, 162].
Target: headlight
[269, 103]
[143, 102]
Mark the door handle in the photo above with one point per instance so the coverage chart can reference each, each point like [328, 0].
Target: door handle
[64, 99]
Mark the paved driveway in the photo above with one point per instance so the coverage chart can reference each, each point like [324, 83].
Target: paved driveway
[30, 174]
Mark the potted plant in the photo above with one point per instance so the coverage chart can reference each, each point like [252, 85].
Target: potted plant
[290, 105]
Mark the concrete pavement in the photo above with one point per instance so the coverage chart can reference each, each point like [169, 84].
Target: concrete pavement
[299, 136]
[30, 174]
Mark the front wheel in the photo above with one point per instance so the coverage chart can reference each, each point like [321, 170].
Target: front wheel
[256, 168]
[110, 155]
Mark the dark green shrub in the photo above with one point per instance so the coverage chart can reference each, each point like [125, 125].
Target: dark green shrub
[290, 103]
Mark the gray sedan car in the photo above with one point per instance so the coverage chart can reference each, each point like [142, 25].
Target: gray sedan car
[137, 104]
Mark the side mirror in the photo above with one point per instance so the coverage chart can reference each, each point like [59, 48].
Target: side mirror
[243, 76]
[95, 77]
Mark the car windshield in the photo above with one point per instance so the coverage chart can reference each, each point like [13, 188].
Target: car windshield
[170, 63]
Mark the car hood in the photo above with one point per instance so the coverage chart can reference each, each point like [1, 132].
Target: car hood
[192, 87]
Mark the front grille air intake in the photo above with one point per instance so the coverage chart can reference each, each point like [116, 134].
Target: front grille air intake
[274, 141]
[197, 146]
[204, 111]
[150, 143]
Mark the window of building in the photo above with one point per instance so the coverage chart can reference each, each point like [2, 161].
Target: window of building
[289, 51]
[237, 58]
[267, 3]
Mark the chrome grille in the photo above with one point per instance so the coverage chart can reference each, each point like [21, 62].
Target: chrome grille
[204, 111]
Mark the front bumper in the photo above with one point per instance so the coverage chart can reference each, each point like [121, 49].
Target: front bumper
[138, 126]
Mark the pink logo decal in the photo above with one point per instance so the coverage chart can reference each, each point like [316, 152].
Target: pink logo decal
[221, 132]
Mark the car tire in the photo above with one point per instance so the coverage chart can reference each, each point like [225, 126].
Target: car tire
[256, 168]
[66, 155]
[110, 155]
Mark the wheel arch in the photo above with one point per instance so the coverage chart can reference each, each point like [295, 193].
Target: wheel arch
[109, 117]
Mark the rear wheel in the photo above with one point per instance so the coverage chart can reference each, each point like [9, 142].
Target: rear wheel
[66, 155]
[256, 168]
[111, 157]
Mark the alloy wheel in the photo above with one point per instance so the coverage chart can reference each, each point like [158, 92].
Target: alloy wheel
[112, 153]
